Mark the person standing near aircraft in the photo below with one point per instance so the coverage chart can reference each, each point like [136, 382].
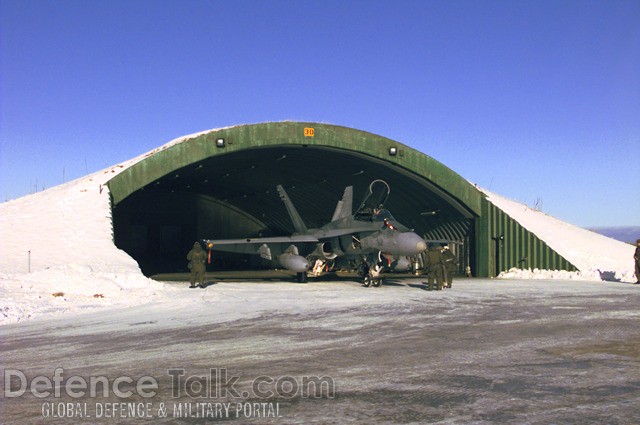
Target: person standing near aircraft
[636, 256]
[450, 264]
[197, 266]
[434, 264]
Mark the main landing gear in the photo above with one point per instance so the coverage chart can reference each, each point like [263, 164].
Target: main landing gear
[301, 277]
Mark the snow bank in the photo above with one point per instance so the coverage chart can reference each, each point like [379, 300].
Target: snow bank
[70, 223]
[597, 257]
[63, 236]
[72, 289]
[592, 275]
[60, 241]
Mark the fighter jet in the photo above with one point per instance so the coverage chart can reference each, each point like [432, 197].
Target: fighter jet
[370, 238]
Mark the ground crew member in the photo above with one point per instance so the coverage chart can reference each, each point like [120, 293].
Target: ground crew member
[196, 259]
[636, 256]
[450, 264]
[434, 264]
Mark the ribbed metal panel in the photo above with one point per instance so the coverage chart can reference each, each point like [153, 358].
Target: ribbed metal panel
[510, 245]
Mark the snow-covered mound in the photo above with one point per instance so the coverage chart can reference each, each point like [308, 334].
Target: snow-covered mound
[70, 223]
[597, 257]
[60, 241]
[66, 224]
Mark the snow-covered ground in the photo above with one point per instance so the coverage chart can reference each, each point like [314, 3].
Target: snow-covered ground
[486, 351]
[59, 241]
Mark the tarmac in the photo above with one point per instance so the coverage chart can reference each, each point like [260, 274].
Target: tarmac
[270, 351]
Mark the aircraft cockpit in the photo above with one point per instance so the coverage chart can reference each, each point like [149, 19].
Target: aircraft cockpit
[371, 207]
[382, 215]
[376, 215]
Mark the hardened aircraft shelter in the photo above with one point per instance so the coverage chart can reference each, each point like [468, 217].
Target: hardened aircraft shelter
[222, 184]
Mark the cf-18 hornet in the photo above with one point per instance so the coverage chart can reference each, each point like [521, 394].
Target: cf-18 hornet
[369, 239]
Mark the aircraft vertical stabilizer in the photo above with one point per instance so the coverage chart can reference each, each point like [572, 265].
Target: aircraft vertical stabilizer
[344, 208]
[298, 224]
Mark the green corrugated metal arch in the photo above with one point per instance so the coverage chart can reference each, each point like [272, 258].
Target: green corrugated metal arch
[198, 188]
[257, 157]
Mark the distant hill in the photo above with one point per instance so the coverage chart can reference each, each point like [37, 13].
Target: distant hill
[629, 234]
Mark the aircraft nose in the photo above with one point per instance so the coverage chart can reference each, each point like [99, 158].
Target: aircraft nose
[412, 244]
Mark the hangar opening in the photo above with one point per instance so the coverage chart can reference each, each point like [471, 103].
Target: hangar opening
[221, 184]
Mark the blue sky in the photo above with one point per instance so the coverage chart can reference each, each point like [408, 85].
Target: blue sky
[538, 101]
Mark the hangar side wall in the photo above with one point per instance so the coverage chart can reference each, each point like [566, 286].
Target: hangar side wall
[502, 243]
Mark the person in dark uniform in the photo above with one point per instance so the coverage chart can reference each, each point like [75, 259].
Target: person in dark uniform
[197, 258]
[434, 264]
[450, 264]
[636, 256]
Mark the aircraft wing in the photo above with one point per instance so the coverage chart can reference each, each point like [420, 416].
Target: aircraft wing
[257, 245]
[330, 234]
[275, 239]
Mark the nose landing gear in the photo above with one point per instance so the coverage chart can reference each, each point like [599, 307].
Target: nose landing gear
[371, 273]
[369, 281]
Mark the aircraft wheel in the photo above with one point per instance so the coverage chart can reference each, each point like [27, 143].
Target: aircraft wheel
[377, 282]
[367, 281]
[302, 277]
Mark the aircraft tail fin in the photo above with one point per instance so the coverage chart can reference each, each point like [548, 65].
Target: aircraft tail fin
[298, 224]
[344, 208]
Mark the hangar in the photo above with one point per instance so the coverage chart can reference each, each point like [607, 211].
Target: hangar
[221, 184]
